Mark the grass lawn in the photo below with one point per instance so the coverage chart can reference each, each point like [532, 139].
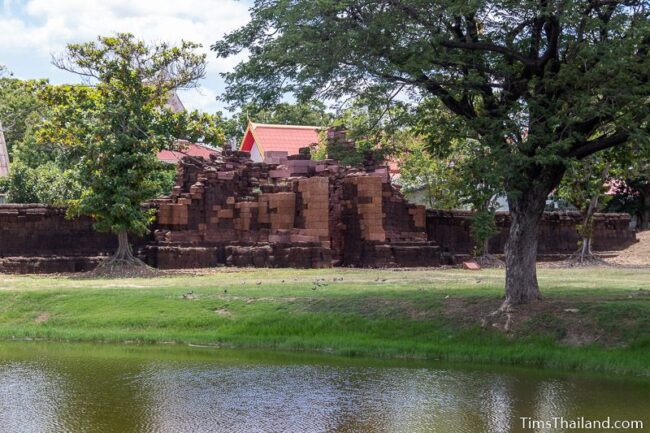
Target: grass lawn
[595, 319]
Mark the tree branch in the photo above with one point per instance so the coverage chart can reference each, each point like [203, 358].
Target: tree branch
[486, 46]
[601, 143]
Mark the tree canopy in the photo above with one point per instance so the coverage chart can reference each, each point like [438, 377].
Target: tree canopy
[540, 83]
[20, 108]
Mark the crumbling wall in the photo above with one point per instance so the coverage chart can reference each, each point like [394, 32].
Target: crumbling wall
[380, 228]
[302, 214]
[557, 232]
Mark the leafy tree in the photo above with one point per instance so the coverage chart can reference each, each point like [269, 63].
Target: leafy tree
[538, 83]
[377, 127]
[437, 178]
[632, 195]
[120, 123]
[483, 227]
[584, 186]
[366, 131]
[20, 108]
[632, 186]
[453, 180]
[45, 183]
[39, 173]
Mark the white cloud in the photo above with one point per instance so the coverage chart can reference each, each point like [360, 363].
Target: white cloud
[33, 29]
[201, 98]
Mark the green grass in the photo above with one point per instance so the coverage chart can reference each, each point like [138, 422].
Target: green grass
[428, 314]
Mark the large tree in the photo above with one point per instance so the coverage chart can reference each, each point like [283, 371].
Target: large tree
[119, 122]
[539, 82]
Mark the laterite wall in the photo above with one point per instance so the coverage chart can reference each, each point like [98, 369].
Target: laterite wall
[307, 214]
[38, 238]
[451, 230]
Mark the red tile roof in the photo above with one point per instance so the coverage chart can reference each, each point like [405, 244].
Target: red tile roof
[283, 138]
[194, 149]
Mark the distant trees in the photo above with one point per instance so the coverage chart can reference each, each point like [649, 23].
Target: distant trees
[454, 179]
[20, 108]
[584, 186]
[117, 126]
[631, 187]
[38, 173]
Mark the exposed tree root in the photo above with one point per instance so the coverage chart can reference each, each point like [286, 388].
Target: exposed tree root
[123, 264]
[505, 312]
[580, 259]
[118, 268]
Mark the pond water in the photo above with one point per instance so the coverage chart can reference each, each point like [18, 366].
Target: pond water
[47, 387]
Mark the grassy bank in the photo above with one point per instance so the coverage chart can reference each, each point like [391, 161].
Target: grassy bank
[592, 319]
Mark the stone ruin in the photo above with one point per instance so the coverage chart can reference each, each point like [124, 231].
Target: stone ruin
[304, 213]
[300, 213]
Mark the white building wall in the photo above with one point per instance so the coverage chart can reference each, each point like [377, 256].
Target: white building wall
[4, 155]
[256, 155]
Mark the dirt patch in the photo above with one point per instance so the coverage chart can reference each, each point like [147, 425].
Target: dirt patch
[568, 321]
[42, 318]
[223, 312]
[637, 254]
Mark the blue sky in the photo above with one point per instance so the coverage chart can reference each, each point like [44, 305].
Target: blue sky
[32, 30]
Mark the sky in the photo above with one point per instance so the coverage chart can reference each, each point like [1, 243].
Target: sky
[32, 30]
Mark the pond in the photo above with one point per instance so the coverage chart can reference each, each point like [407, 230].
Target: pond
[49, 387]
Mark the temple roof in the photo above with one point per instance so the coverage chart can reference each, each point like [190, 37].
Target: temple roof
[279, 138]
[192, 149]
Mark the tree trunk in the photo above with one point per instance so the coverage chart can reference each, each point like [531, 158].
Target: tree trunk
[124, 252]
[587, 229]
[588, 221]
[521, 250]
[644, 222]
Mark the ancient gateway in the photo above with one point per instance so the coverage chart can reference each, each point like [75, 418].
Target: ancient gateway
[230, 211]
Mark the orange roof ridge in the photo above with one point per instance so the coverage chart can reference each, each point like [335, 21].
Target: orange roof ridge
[272, 125]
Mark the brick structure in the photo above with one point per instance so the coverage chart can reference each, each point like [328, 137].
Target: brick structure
[37, 238]
[305, 213]
[557, 233]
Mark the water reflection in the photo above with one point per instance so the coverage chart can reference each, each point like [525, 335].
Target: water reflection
[31, 398]
[551, 401]
[497, 405]
[123, 391]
